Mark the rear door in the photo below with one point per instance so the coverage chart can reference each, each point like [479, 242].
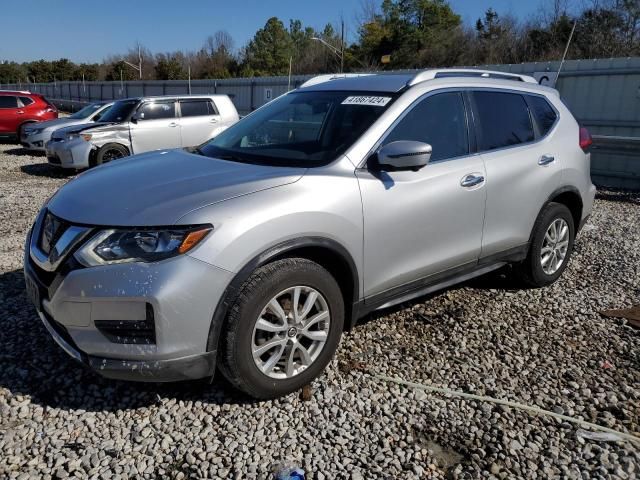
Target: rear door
[155, 125]
[198, 121]
[521, 164]
[9, 116]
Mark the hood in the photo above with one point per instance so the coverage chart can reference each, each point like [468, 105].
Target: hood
[57, 123]
[77, 127]
[158, 188]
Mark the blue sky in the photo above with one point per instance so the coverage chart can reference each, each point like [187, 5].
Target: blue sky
[88, 30]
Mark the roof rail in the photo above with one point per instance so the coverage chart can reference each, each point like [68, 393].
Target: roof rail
[467, 72]
[15, 91]
[331, 76]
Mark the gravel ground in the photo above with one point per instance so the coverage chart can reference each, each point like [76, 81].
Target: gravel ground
[549, 348]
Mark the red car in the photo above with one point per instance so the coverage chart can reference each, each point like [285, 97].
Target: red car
[18, 108]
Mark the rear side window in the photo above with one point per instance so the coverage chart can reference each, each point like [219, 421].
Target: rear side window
[503, 120]
[7, 101]
[438, 120]
[544, 115]
[156, 111]
[195, 108]
[26, 101]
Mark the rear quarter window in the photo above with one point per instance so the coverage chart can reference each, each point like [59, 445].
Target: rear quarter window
[543, 113]
[26, 101]
[503, 119]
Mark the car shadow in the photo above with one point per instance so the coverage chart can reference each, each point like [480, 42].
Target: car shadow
[23, 152]
[46, 170]
[32, 364]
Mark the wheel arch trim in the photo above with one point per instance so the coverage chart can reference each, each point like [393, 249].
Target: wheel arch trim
[272, 253]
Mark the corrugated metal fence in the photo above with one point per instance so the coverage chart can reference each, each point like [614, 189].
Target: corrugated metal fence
[603, 94]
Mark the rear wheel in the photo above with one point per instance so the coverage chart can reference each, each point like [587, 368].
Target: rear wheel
[110, 152]
[282, 329]
[551, 246]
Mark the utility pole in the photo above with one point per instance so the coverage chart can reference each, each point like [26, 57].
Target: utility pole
[289, 83]
[189, 70]
[139, 66]
[341, 44]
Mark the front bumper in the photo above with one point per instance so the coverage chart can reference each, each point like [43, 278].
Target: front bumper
[35, 142]
[182, 292]
[69, 154]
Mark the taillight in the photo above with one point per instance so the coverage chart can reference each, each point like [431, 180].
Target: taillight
[585, 139]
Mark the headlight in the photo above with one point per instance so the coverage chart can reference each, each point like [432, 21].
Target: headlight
[84, 136]
[34, 131]
[121, 246]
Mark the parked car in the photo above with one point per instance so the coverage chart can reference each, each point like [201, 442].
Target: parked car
[137, 125]
[35, 136]
[255, 250]
[18, 109]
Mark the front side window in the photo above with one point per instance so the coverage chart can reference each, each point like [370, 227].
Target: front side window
[438, 120]
[156, 111]
[544, 115]
[300, 129]
[7, 101]
[195, 108]
[503, 119]
[120, 111]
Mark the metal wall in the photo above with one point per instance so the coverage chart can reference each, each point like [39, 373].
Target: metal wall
[603, 94]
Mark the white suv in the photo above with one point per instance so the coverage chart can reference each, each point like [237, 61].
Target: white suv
[254, 251]
[137, 125]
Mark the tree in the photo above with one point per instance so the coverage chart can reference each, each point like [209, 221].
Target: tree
[169, 66]
[269, 51]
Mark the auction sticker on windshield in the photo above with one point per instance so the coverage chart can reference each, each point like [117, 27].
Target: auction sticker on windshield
[366, 100]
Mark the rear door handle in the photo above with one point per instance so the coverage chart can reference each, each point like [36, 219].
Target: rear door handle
[472, 180]
[546, 160]
[173, 124]
[20, 112]
[214, 120]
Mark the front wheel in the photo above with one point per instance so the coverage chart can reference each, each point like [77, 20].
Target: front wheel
[110, 152]
[283, 328]
[551, 246]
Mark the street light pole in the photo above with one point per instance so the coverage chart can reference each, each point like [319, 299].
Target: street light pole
[338, 53]
[139, 66]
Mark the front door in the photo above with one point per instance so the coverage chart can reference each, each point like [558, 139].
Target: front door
[418, 224]
[155, 126]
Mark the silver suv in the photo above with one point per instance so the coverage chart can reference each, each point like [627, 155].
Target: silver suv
[255, 250]
[137, 125]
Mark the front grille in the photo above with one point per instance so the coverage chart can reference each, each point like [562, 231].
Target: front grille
[130, 331]
[52, 229]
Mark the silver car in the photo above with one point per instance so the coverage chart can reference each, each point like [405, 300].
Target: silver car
[254, 251]
[35, 136]
[137, 125]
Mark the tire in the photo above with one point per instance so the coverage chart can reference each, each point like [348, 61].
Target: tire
[533, 271]
[240, 335]
[110, 152]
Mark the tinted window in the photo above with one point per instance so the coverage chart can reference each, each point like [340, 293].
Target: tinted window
[503, 119]
[156, 111]
[120, 111]
[195, 108]
[87, 111]
[438, 120]
[7, 101]
[26, 101]
[544, 115]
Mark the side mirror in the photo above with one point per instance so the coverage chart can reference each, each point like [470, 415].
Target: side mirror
[404, 155]
[134, 119]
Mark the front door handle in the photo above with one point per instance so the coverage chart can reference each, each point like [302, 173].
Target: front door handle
[214, 120]
[20, 112]
[546, 160]
[173, 124]
[472, 180]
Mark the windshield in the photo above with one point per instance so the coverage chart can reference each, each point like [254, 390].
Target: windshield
[299, 129]
[86, 111]
[119, 111]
